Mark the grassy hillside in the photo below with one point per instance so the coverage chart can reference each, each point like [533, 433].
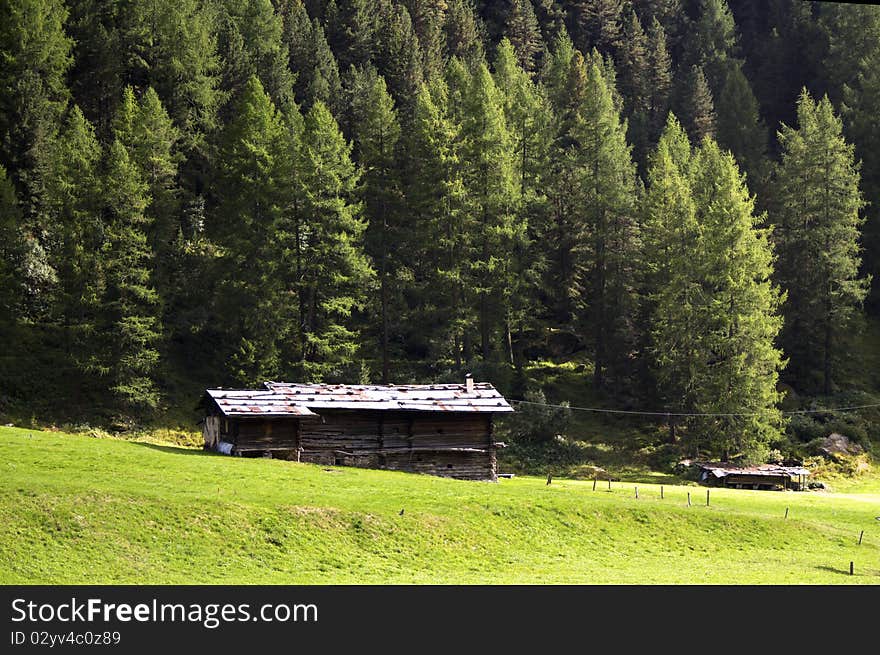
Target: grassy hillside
[76, 509]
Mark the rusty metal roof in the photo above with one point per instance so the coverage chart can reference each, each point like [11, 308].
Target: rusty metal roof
[293, 399]
[723, 470]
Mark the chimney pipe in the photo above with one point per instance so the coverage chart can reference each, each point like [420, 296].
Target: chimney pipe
[469, 383]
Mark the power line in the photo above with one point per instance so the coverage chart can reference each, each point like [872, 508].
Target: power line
[719, 414]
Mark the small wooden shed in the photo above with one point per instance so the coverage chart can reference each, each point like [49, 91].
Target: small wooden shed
[441, 429]
[765, 476]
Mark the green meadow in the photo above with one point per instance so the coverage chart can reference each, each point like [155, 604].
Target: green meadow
[84, 510]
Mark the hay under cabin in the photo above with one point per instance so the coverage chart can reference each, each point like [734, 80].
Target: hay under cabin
[765, 476]
[439, 429]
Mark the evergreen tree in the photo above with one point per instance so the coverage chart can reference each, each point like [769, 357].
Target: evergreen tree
[595, 24]
[463, 37]
[428, 19]
[737, 314]
[331, 268]
[129, 307]
[659, 80]
[10, 250]
[351, 27]
[742, 131]
[492, 192]
[73, 192]
[310, 59]
[523, 33]
[376, 134]
[608, 240]
[696, 107]
[818, 239]
[398, 57]
[671, 280]
[253, 185]
[529, 121]
[633, 83]
[250, 43]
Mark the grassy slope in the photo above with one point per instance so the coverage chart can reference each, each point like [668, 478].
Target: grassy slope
[76, 509]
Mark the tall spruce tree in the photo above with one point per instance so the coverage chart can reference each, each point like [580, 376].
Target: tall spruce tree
[492, 193]
[671, 281]
[524, 34]
[130, 321]
[439, 232]
[332, 268]
[310, 58]
[253, 184]
[737, 316]
[818, 220]
[659, 80]
[74, 192]
[609, 240]
[376, 135]
[696, 106]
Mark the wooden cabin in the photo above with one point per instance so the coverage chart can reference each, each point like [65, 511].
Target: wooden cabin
[440, 429]
[765, 476]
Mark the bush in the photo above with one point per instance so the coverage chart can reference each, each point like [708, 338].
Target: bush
[535, 421]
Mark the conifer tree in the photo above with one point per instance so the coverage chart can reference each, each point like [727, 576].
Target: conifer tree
[524, 34]
[398, 56]
[659, 80]
[73, 193]
[492, 192]
[818, 220]
[351, 26]
[333, 270]
[670, 235]
[633, 82]
[130, 305]
[428, 19]
[439, 233]
[376, 134]
[10, 250]
[253, 185]
[742, 131]
[310, 59]
[737, 316]
[463, 37]
[696, 107]
[596, 24]
[608, 239]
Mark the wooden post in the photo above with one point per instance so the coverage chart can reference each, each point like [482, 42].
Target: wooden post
[851, 568]
[689, 498]
[549, 478]
[637, 493]
[707, 497]
[609, 484]
[661, 492]
[786, 512]
[594, 484]
[861, 534]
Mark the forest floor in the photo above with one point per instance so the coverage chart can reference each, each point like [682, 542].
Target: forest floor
[77, 509]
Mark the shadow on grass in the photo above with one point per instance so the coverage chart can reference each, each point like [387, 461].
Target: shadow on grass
[831, 569]
[176, 450]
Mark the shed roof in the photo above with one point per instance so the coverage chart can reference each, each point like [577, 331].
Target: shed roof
[770, 470]
[294, 399]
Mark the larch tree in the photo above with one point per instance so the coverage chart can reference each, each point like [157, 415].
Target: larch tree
[376, 135]
[492, 193]
[253, 184]
[818, 219]
[609, 235]
[333, 269]
[738, 316]
[130, 312]
[524, 34]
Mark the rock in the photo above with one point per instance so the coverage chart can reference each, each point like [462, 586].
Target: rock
[836, 445]
[816, 485]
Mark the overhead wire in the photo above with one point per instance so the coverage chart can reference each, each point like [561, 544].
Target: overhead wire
[692, 414]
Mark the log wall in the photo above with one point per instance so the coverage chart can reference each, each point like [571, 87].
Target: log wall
[456, 445]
